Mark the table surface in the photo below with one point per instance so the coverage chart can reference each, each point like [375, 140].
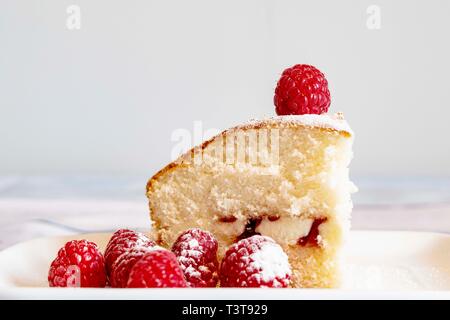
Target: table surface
[33, 207]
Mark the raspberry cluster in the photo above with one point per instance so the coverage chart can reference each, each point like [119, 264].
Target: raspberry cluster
[132, 260]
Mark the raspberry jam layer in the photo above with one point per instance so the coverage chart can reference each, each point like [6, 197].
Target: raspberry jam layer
[228, 219]
[311, 239]
[273, 218]
[250, 228]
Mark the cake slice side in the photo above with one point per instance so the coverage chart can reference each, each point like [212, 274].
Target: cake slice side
[284, 177]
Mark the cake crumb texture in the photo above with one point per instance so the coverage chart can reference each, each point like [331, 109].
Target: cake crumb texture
[307, 179]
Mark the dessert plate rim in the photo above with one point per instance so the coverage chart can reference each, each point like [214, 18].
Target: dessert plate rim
[408, 247]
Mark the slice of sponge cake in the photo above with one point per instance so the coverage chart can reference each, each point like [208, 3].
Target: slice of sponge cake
[285, 177]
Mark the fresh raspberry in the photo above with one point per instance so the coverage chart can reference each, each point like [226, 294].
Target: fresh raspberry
[196, 252]
[122, 267]
[121, 241]
[257, 261]
[156, 269]
[302, 89]
[78, 264]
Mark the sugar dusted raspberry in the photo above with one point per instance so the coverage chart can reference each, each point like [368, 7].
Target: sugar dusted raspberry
[121, 241]
[78, 264]
[196, 252]
[157, 269]
[257, 261]
[121, 268]
[302, 89]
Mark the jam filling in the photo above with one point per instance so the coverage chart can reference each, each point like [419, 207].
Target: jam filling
[310, 240]
[250, 228]
[228, 219]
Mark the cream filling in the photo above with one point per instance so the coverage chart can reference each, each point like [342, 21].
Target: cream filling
[286, 230]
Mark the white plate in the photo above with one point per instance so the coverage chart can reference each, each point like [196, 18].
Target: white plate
[380, 264]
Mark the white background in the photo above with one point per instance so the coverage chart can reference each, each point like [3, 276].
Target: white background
[105, 99]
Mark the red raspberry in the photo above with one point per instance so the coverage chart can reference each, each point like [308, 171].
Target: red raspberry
[157, 269]
[78, 264]
[122, 267]
[302, 89]
[196, 252]
[257, 261]
[121, 241]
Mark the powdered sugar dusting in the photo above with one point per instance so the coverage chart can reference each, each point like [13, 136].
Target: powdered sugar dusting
[193, 243]
[335, 122]
[190, 271]
[196, 252]
[190, 252]
[136, 251]
[272, 262]
[142, 239]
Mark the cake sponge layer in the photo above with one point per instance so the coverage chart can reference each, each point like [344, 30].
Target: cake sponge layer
[284, 177]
